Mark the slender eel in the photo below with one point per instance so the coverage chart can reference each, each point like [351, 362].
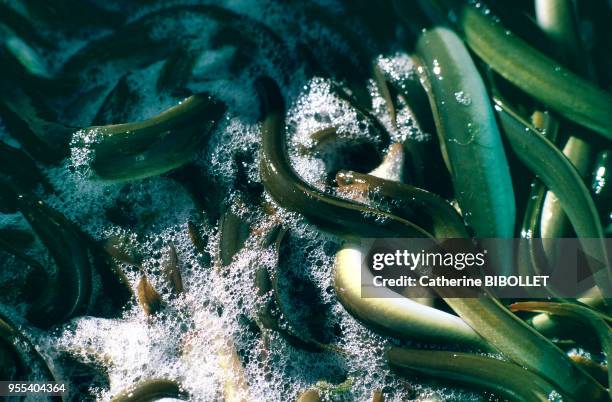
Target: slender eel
[531, 253]
[508, 380]
[33, 125]
[337, 215]
[542, 157]
[148, 297]
[393, 314]
[176, 70]
[198, 241]
[470, 140]
[420, 206]
[385, 92]
[468, 134]
[234, 231]
[67, 292]
[268, 314]
[558, 19]
[115, 284]
[172, 271]
[151, 390]
[22, 63]
[22, 26]
[408, 94]
[598, 370]
[599, 322]
[538, 75]
[28, 363]
[23, 59]
[554, 221]
[151, 147]
[117, 104]
[552, 327]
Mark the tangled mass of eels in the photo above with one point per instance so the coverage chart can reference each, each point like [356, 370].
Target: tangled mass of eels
[184, 187]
